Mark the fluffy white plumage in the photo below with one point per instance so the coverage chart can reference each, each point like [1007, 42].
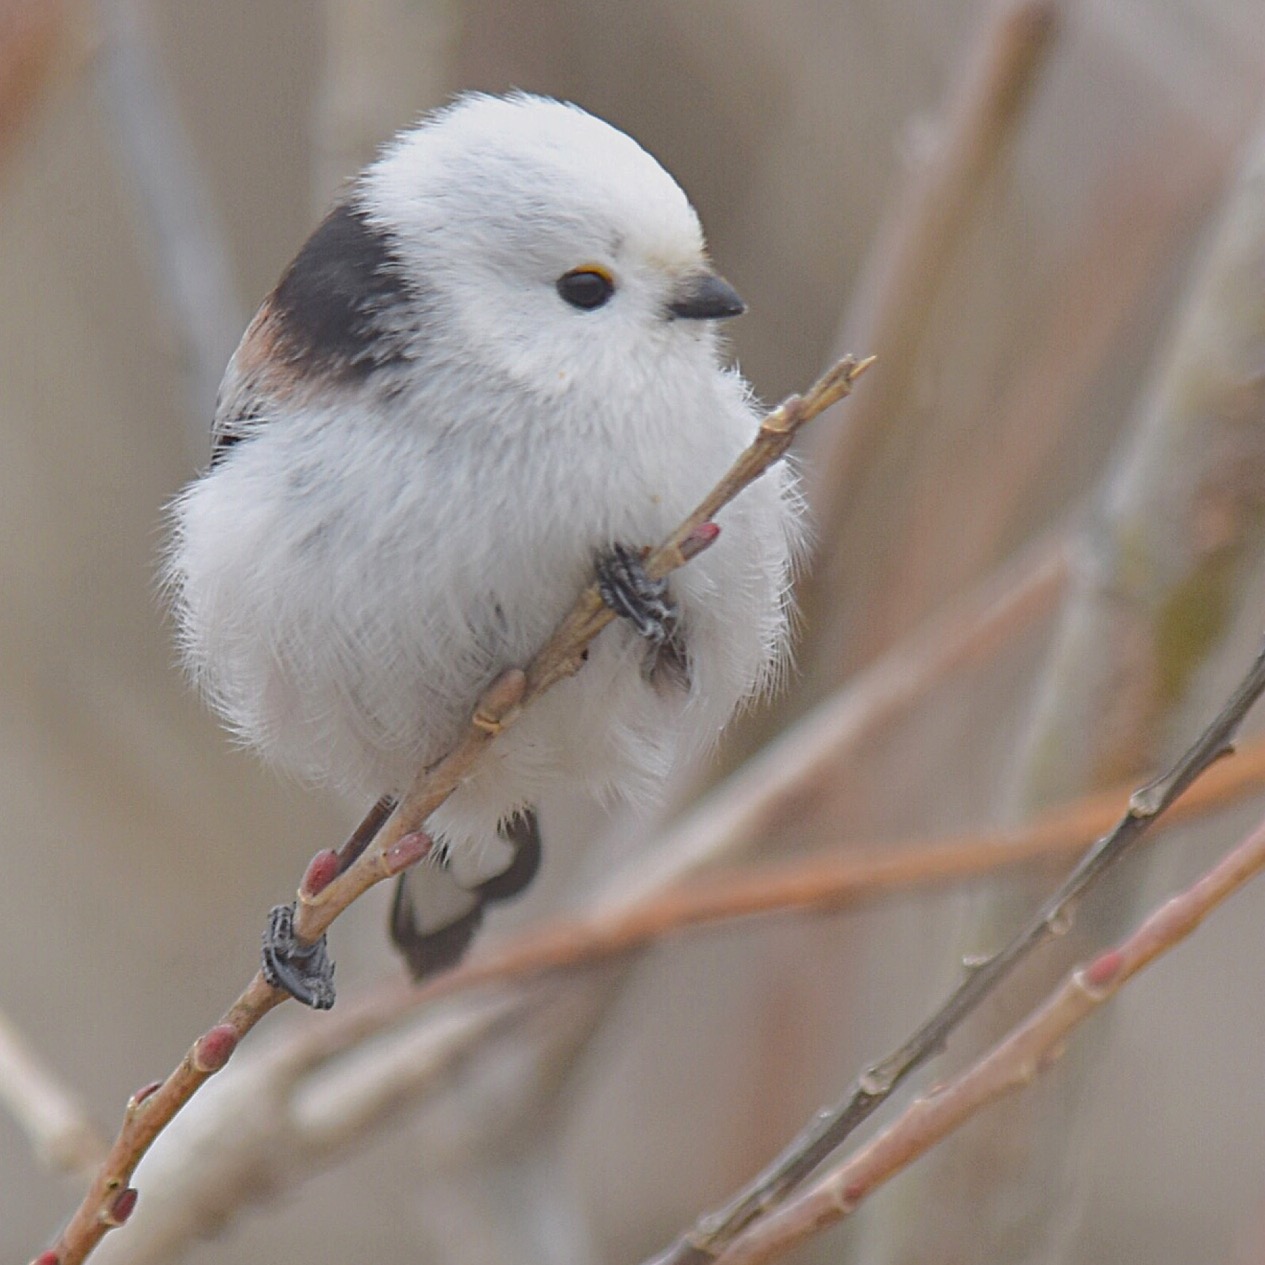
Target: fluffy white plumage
[411, 488]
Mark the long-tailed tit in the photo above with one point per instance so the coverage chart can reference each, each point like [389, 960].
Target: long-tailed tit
[490, 370]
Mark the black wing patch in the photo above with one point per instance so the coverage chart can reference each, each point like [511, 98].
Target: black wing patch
[338, 304]
[342, 310]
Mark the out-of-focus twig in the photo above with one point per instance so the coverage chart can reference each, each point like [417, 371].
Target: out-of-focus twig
[32, 35]
[712, 1234]
[174, 205]
[818, 883]
[385, 62]
[895, 298]
[1027, 1051]
[50, 1115]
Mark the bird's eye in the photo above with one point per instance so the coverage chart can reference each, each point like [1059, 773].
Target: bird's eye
[586, 287]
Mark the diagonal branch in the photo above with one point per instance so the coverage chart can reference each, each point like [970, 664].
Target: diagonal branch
[109, 1199]
[1030, 1048]
[712, 1233]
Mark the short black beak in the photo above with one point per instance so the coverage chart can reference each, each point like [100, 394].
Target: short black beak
[706, 297]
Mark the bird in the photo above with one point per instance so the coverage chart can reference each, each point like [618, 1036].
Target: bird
[492, 372]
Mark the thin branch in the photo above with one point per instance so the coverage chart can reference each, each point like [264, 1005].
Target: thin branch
[50, 1115]
[1030, 1049]
[713, 1232]
[109, 1200]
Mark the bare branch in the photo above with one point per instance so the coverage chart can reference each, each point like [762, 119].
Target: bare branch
[828, 1129]
[1030, 1049]
[297, 1128]
[109, 1200]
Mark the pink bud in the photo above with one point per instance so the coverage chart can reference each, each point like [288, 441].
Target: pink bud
[122, 1207]
[701, 537]
[321, 871]
[1104, 968]
[215, 1047]
[406, 851]
[144, 1092]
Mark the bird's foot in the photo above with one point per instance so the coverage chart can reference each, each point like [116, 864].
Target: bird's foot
[302, 970]
[633, 595]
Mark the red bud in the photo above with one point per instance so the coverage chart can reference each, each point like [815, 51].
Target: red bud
[701, 537]
[122, 1207]
[406, 851]
[321, 870]
[215, 1047]
[1104, 968]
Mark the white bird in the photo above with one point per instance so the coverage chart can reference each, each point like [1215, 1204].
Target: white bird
[491, 368]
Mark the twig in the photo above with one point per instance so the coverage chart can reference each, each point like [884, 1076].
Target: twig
[109, 1200]
[50, 1115]
[712, 1233]
[306, 1110]
[1030, 1049]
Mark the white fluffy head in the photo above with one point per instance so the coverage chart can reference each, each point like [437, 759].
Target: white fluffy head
[492, 200]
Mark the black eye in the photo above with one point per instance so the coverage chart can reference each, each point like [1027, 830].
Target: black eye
[586, 288]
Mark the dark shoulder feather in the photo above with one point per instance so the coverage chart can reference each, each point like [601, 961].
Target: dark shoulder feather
[338, 304]
[342, 311]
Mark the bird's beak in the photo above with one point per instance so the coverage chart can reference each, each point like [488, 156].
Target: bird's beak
[703, 296]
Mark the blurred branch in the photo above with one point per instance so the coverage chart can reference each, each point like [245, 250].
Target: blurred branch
[829, 1128]
[34, 35]
[1028, 1050]
[895, 299]
[386, 61]
[109, 1200]
[175, 206]
[50, 1115]
[1158, 575]
[815, 884]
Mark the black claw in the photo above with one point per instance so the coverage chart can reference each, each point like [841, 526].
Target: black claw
[302, 970]
[633, 595]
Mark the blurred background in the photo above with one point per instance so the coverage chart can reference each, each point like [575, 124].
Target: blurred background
[1048, 219]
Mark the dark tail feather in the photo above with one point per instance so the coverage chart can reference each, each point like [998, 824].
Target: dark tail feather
[434, 939]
